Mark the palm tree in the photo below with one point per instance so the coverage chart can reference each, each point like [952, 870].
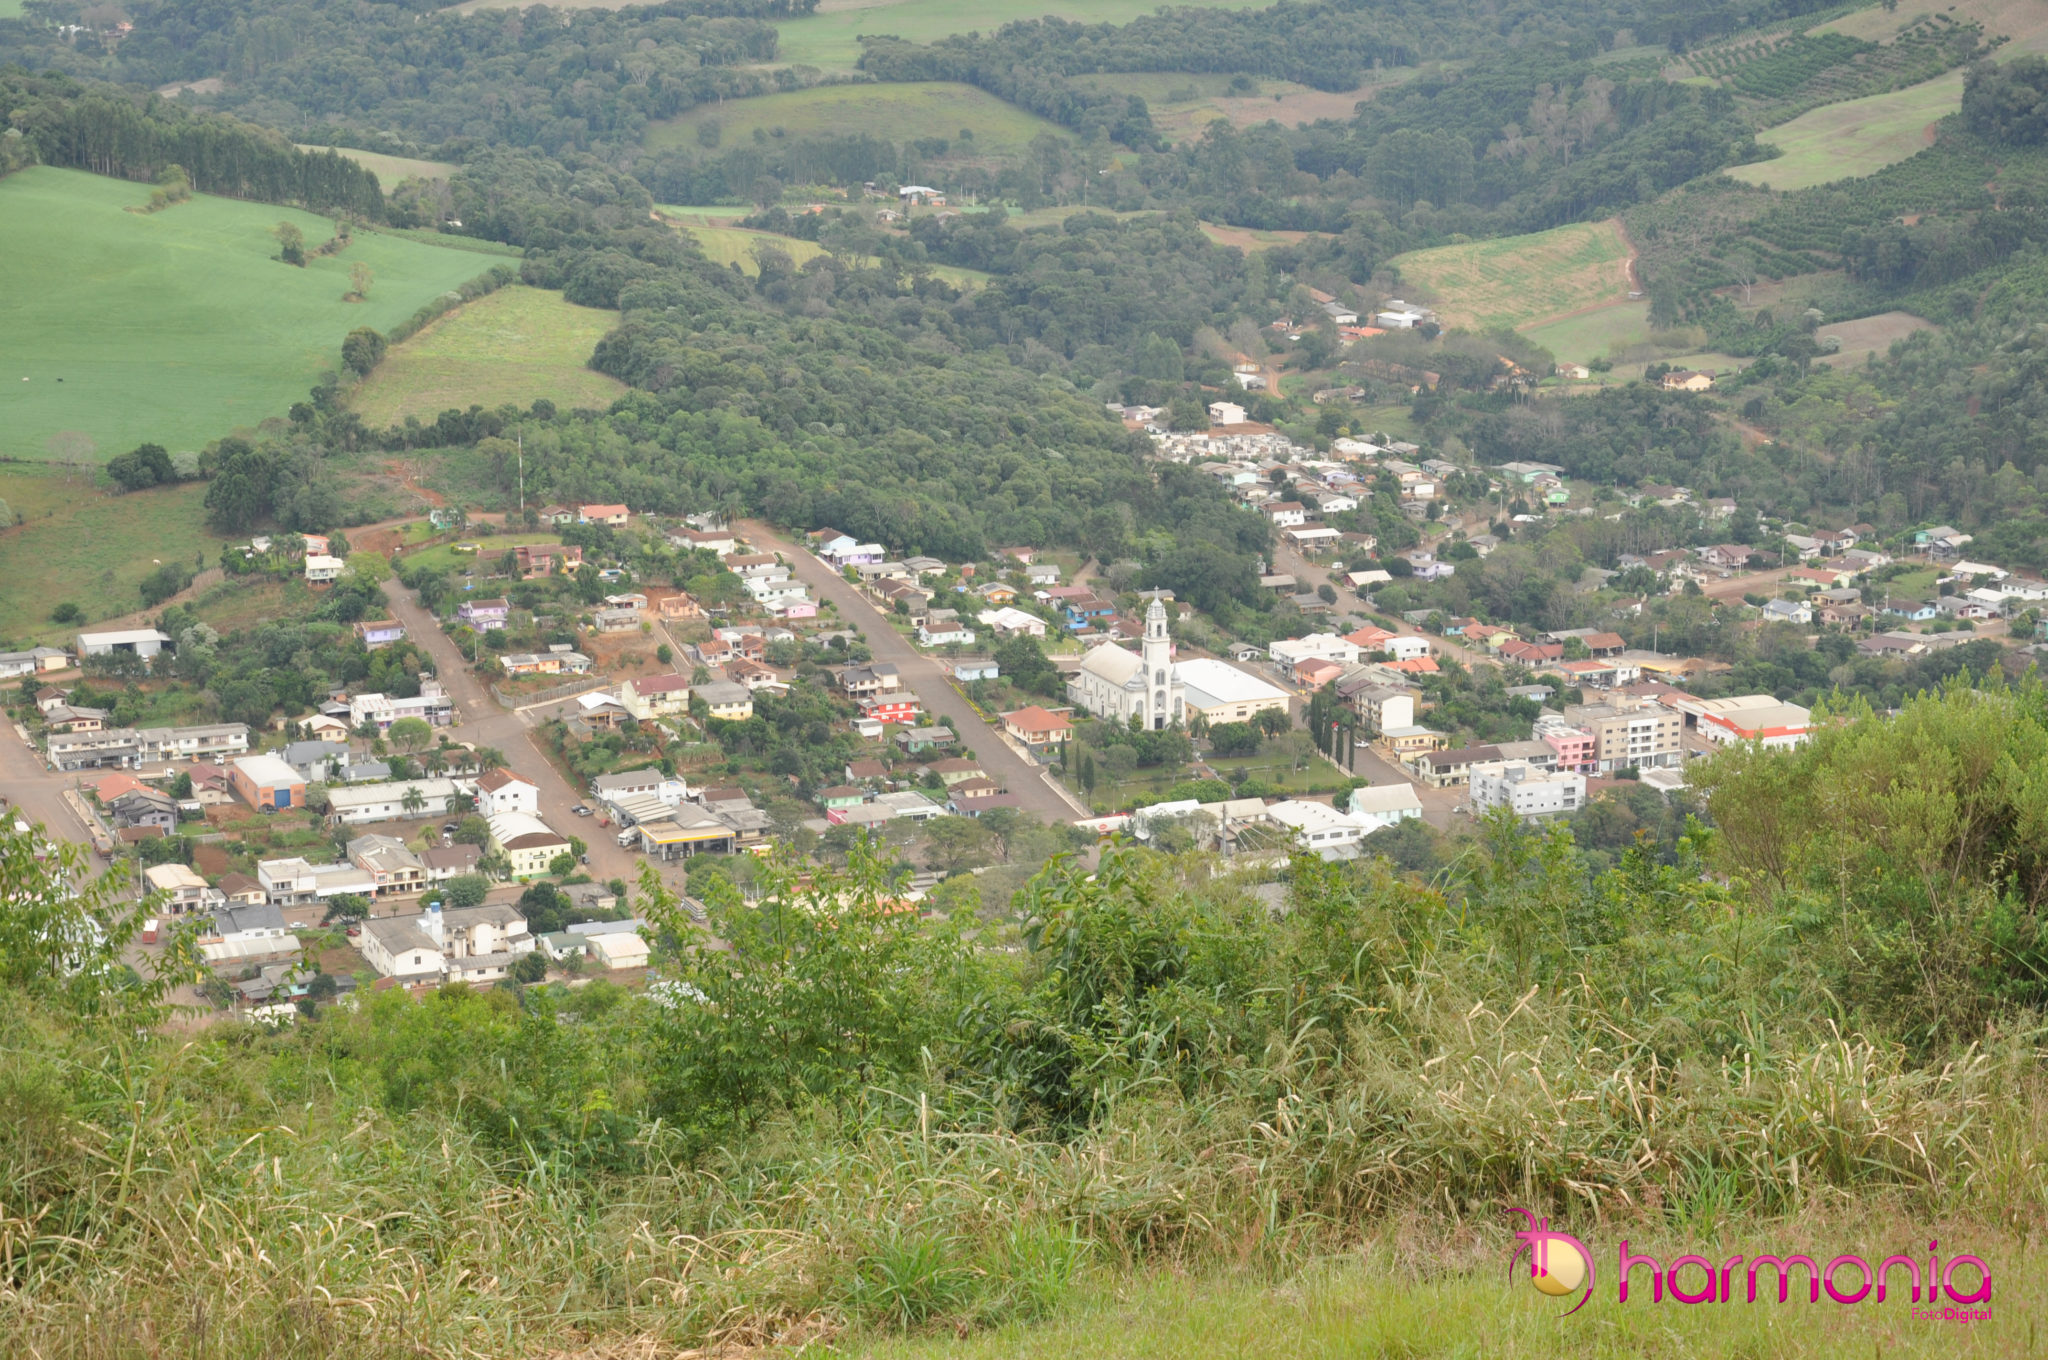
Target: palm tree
[414, 801]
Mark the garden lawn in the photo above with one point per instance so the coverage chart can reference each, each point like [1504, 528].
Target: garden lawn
[89, 547]
[174, 327]
[1516, 280]
[1855, 137]
[515, 345]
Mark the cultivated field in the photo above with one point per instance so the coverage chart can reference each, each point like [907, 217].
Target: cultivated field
[89, 547]
[1856, 137]
[735, 245]
[389, 170]
[1519, 280]
[515, 345]
[1870, 335]
[174, 327]
[2023, 22]
[1183, 104]
[831, 37]
[896, 112]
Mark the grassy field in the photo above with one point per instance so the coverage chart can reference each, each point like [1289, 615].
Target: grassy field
[490, 547]
[735, 245]
[389, 170]
[10, 9]
[88, 547]
[515, 345]
[119, 327]
[1420, 1302]
[933, 108]
[1521, 279]
[831, 37]
[1869, 335]
[1855, 137]
[1592, 334]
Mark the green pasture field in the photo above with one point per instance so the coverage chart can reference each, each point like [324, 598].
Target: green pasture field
[174, 327]
[88, 546]
[933, 108]
[389, 170]
[1592, 334]
[10, 9]
[489, 548]
[831, 37]
[1855, 137]
[1516, 280]
[515, 345]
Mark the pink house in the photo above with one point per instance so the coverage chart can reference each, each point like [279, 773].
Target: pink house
[1575, 747]
[794, 609]
[1315, 672]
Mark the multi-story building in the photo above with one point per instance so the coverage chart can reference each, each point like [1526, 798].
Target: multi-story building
[1577, 749]
[192, 743]
[526, 843]
[1630, 733]
[1525, 790]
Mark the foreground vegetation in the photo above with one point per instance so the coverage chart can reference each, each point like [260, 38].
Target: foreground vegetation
[854, 1118]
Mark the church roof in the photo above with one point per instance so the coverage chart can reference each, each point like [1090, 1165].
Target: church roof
[1113, 664]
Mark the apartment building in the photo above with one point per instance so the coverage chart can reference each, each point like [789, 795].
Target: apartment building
[1630, 733]
[1530, 793]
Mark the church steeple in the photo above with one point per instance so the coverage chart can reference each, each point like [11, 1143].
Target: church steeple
[1155, 622]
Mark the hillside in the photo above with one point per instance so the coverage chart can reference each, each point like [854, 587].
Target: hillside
[121, 327]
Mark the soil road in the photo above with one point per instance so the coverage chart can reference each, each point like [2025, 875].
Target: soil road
[1033, 785]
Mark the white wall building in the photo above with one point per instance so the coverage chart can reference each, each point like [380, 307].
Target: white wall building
[1319, 827]
[1222, 693]
[1384, 805]
[1119, 685]
[361, 804]
[503, 791]
[1525, 790]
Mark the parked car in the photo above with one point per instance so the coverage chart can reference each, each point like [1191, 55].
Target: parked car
[580, 810]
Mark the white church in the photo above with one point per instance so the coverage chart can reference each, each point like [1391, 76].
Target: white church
[1118, 684]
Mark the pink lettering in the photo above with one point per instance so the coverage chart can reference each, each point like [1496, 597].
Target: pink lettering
[1671, 1279]
[1827, 1279]
[1629, 1262]
[1728, 1271]
[1784, 1269]
[1910, 1264]
[1982, 1293]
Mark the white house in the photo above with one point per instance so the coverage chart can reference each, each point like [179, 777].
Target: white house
[1291, 652]
[321, 568]
[1384, 805]
[503, 791]
[1319, 827]
[945, 635]
[361, 804]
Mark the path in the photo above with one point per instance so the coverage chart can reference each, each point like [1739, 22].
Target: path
[1033, 785]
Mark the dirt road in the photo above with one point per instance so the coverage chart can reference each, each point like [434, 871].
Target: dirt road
[1035, 788]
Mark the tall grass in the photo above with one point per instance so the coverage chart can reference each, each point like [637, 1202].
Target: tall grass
[199, 1200]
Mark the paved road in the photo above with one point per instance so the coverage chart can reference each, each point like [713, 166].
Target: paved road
[484, 723]
[34, 791]
[1031, 784]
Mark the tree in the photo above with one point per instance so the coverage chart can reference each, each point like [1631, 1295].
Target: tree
[346, 907]
[562, 865]
[145, 466]
[67, 613]
[474, 830]
[291, 243]
[528, 968]
[410, 734]
[239, 494]
[467, 890]
[414, 802]
[1234, 739]
[955, 843]
[362, 350]
[359, 280]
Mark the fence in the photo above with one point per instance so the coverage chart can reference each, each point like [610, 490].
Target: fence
[549, 695]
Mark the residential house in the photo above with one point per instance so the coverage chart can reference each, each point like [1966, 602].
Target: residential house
[945, 635]
[1726, 556]
[443, 862]
[323, 570]
[484, 615]
[1378, 806]
[546, 559]
[1405, 744]
[387, 860]
[35, 661]
[1011, 622]
[1319, 827]
[615, 620]
[184, 891]
[891, 708]
[192, 743]
[1039, 728]
[655, 696]
[501, 791]
[915, 740]
[611, 516]
[381, 633]
[1787, 611]
[861, 682]
[1687, 380]
[957, 769]
[726, 700]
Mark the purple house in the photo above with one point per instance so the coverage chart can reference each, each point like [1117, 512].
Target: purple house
[381, 633]
[484, 614]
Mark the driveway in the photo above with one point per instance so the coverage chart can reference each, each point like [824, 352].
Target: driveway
[1033, 785]
[483, 723]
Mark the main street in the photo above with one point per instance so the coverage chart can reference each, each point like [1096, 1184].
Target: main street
[1033, 785]
[32, 790]
[485, 723]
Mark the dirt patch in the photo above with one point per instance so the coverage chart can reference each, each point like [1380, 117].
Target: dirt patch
[210, 85]
[1305, 106]
[1244, 238]
[210, 860]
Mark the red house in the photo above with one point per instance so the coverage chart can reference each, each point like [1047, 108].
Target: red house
[892, 708]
